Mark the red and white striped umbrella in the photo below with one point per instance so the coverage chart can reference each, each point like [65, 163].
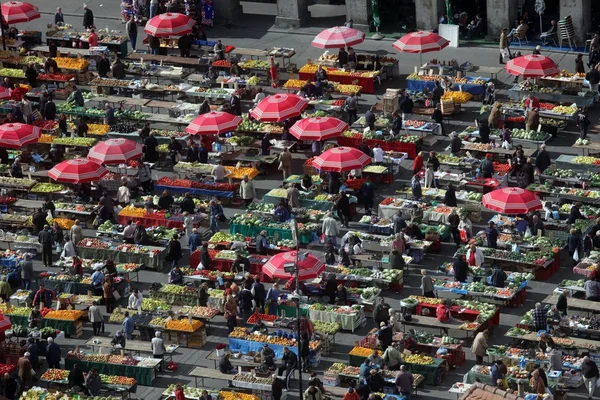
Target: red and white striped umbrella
[532, 65]
[512, 200]
[338, 37]
[169, 24]
[77, 170]
[420, 42]
[5, 323]
[310, 268]
[17, 11]
[318, 128]
[15, 136]
[279, 107]
[339, 159]
[4, 93]
[115, 151]
[213, 123]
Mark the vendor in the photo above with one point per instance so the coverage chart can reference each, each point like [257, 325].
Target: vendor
[498, 277]
[320, 74]
[176, 276]
[342, 295]
[219, 50]
[77, 267]
[475, 256]
[119, 339]
[486, 167]
[414, 232]
[165, 201]
[35, 318]
[260, 327]
[267, 357]
[43, 296]
[241, 264]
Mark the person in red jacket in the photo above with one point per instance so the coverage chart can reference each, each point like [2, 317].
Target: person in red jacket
[418, 163]
[179, 395]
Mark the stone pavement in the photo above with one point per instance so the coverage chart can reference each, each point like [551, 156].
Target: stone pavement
[256, 34]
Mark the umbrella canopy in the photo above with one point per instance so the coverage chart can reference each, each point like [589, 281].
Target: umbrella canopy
[310, 268]
[169, 24]
[115, 151]
[17, 11]
[341, 159]
[512, 200]
[532, 65]
[15, 136]
[420, 42]
[213, 123]
[4, 93]
[78, 170]
[318, 128]
[338, 37]
[5, 323]
[279, 107]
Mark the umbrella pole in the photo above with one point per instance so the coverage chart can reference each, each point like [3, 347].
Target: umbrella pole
[420, 59]
[2, 28]
[300, 340]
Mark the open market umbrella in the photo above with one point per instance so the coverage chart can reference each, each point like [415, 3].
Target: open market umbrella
[310, 268]
[5, 323]
[339, 159]
[213, 123]
[338, 37]
[15, 136]
[169, 24]
[4, 93]
[78, 170]
[115, 151]
[532, 65]
[420, 42]
[17, 11]
[512, 200]
[318, 128]
[279, 107]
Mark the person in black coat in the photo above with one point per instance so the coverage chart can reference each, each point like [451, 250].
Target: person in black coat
[574, 243]
[50, 110]
[88, 17]
[277, 387]
[202, 153]
[192, 153]
[455, 144]
[575, 214]
[265, 145]
[561, 303]
[205, 259]
[187, 204]
[150, 152]
[450, 196]
[331, 288]
[165, 201]
[543, 160]
[174, 250]
[76, 377]
[491, 234]
[484, 131]
[103, 66]
[375, 381]
[9, 386]
[236, 104]
[460, 269]
[185, 45]
[174, 149]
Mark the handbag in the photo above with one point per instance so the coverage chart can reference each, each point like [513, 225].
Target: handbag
[222, 218]
[280, 167]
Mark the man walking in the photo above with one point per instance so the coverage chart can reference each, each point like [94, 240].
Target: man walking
[131, 28]
[352, 108]
[45, 239]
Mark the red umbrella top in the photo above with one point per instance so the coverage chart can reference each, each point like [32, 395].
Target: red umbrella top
[5, 323]
[78, 170]
[169, 24]
[318, 128]
[279, 107]
[532, 65]
[341, 159]
[512, 200]
[420, 42]
[17, 11]
[310, 268]
[4, 93]
[213, 123]
[15, 136]
[338, 37]
[115, 151]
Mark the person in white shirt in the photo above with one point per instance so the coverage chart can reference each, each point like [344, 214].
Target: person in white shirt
[378, 154]
[123, 193]
[128, 232]
[135, 300]
[331, 228]
[357, 249]
[219, 172]
[259, 96]
[158, 348]
[69, 249]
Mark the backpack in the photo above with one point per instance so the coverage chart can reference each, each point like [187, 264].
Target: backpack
[441, 313]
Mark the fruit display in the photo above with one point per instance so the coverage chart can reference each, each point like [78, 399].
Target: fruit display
[96, 129]
[350, 370]
[67, 315]
[241, 333]
[78, 141]
[184, 325]
[153, 305]
[335, 368]
[98, 81]
[477, 146]
[263, 317]
[12, 73]
[251, 126]
[409, 123]
[294, 84]
[56, 77]
[457, 97]
[418, 359]
[166, 181]
[93, 243]
[216, 293]
[71, 63]
[252, 379]
[328, 328]
[47, 188]
[565, 110]
[187, 390]
[132, 248]
[363, 351]
[241, 172]
[586, 160]
[253, 80]
[227, 395]
[55, 375]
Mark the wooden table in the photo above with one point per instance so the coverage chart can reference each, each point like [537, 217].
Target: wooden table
[588, 147]
[121, 99]
[152, 104]
[493, 71]
[527, 152]
[576, 304]
[64, 51]
[431, 322]
[577, 342]
[234, 361]
[133, 346]
[208, 373]
[250, 52]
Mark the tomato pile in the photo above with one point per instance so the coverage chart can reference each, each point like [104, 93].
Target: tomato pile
[186, 183]
[221, 63]
[45, 125]
[55, 77]
[501, 167]
[515, 119]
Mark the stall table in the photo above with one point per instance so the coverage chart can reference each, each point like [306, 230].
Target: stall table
[367, 83]
[589, 147]
[582, 101]
[584, 344]
[143, 375]
[149, 259]
[133, 346]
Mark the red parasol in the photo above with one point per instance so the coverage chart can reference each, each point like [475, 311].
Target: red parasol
[279, 107]
[115, 151]
[318, 128]
[15, 136]
[512, 200]
[310, 268]
[338, 37]
[420, 42]
[169, 24]
[5, 323]
[17, 11]
[532, 65]
[213, 123]
[341, 159]
[4, 93]
[78, 170]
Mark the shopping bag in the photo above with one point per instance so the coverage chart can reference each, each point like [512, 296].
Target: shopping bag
[463, 235]
[505, 55]
[116, 295]
[280, 167]
[598, 383]
[576, 255]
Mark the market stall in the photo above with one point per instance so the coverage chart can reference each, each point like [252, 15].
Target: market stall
[150, 256]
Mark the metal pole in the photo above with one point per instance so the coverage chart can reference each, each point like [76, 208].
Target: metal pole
[2, 28]
[298, 322]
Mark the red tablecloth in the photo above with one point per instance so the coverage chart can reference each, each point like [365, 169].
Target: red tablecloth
[409, 148]
[466, 315]
[149, 221]
[368, 84]
[221, 264]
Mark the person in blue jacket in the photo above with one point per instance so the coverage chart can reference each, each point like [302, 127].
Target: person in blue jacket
[281, 213]
[365, 369]
[128, 325]
[53, 354]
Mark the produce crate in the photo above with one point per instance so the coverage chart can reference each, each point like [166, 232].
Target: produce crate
[330, 381]
[355, 361]
[433, 376]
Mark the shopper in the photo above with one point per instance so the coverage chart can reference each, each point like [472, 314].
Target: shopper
[88, 17]
[247, 191]
[53, 354]
[131, 29]
[404, 382]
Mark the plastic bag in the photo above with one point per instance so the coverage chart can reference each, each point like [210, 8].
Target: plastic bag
[576, 255]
